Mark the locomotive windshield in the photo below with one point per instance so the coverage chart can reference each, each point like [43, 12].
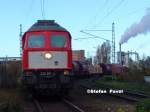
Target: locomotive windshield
[36, 41]
[58, 40]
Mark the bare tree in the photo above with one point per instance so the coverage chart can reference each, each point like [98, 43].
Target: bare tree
[144, 65]
[103, 53]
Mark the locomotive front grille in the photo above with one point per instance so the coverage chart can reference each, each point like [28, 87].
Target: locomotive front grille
[58, 60]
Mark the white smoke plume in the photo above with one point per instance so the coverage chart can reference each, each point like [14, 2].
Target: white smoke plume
[137, 28]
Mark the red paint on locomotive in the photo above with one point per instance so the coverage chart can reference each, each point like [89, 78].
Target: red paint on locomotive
[47, 57]
[47, 47]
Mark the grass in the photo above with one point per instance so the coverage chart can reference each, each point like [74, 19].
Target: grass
[129, 85]
[11, 97]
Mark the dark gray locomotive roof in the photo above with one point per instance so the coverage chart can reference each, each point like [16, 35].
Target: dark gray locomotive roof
[46, 25]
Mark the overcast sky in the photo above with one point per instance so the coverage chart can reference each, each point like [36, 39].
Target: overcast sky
[74, 15]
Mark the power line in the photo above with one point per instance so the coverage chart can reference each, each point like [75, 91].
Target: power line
[83, 38]
[97, 30]
[95, 36]
[29, 11]
[94, 18]
[110, 12]
[42, 9]
[113, 39]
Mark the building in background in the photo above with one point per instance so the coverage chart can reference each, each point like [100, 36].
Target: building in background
[78, 55]
[123, 59]
[127, 57]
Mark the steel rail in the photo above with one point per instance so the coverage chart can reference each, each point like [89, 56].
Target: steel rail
[38, 106]
[73, 106]
[128, 95]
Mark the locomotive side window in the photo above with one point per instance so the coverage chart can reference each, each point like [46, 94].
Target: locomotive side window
[58, 40]
[36, 41]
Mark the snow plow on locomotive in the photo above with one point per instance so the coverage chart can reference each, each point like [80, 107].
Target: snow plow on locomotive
[47, 57]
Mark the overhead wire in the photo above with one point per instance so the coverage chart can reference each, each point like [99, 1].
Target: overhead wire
[110, 12]
[42, 8]
[132, 13]
[95, 36]
[84, 38]
[29, 11]
[97, 13]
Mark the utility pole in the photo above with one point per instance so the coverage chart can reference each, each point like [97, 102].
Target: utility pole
[20, 35]
[113, 39]
[113, 42]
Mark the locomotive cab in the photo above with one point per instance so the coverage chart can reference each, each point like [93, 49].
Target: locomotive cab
[47, 51]
[47, 55]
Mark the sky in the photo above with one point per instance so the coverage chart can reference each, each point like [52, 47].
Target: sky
[74, 15]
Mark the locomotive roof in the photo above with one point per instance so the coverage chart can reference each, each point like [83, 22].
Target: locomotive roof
[46, 25]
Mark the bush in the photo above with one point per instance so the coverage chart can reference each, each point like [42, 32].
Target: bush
[109, 78]
[10, 71]
[131, 74]
[143, 106]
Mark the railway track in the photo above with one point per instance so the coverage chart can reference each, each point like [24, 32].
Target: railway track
[54, 106]
[64, 105]
[37, 106]
[133, 96]
[73, 106]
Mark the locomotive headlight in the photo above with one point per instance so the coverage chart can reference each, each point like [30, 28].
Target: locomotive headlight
[48, 55]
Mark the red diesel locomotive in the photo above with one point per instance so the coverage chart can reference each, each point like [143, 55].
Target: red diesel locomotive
[47, 57]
